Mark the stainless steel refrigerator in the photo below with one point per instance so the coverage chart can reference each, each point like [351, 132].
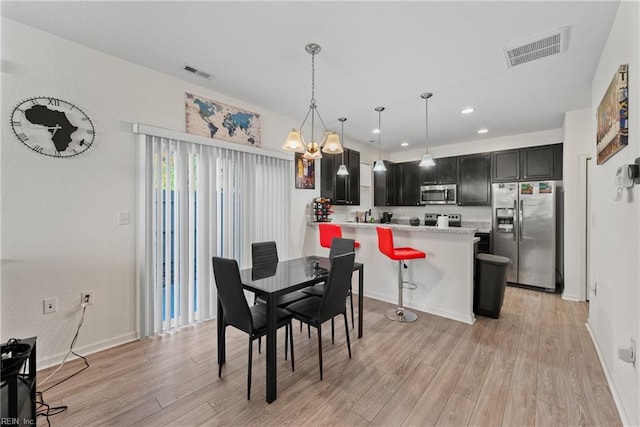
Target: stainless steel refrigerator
[524, 230]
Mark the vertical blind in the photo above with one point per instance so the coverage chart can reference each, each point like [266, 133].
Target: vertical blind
[200, 201]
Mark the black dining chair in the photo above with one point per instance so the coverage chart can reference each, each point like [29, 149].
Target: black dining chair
[315, 311]
[264, 254]
[238, 313]
[339, 246]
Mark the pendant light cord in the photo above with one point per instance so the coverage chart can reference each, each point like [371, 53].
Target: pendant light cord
[379, 131]
[342, 120]
[426, 97]
[426, 124]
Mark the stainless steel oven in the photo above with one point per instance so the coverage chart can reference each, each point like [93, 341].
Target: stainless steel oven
[438, 194]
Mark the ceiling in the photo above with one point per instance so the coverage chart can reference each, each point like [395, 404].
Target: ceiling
[373, 54]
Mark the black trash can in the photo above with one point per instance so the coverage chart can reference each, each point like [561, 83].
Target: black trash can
[491, 280]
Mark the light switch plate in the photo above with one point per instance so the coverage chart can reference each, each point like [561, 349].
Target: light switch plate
[124, 218]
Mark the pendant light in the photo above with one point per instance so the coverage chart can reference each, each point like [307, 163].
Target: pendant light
[342, 170]
[379, 164]
[295, 141]
[427, 160]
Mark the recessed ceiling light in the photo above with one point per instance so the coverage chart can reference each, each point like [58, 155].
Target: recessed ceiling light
[468, 110]
[405, 144]
[376, 131]
[483, 130]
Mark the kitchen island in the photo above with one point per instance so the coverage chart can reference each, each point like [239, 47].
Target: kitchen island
[444, 279]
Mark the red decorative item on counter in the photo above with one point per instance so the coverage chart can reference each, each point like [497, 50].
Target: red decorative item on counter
[321, 210]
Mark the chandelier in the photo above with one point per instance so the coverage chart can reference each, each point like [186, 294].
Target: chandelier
[330, 142]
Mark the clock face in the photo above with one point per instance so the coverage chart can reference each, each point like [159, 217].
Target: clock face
[52, 127]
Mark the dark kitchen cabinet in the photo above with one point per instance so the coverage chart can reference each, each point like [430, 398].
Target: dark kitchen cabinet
[505, 165]
[445, 171]
[342, 190]
[385, 186]
[484, 245]
[527, 164]
[408, 174]
[543, 162]
[474, 182]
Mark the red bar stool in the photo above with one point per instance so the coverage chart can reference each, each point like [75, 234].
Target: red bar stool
[328, 232]
[385, 244]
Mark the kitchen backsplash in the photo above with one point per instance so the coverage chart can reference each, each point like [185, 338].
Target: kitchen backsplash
[469, 213]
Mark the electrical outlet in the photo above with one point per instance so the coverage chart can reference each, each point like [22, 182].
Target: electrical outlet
[86, 297]
[49, 305]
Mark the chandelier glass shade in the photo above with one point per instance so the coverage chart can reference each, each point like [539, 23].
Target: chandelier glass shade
[330, 142]
[427, 160]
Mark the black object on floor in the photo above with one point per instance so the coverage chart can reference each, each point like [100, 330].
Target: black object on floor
[491, 280]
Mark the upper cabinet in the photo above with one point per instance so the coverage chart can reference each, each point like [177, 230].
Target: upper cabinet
[474, 182]
[385, 189]
[341, 189]
[445, 171]
[543, 162]
[400, 184]
[409, 183]
[505, 165]
[527, 164]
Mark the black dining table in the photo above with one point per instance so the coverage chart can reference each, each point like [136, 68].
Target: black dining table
[273, 280]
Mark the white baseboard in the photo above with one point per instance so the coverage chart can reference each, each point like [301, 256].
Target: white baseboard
[442, 313]
[571, 297]
[86, 350]
[614, 392]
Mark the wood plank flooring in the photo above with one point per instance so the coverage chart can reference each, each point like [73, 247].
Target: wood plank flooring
[535, 365]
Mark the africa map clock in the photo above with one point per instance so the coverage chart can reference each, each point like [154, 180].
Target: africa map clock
[52, 127]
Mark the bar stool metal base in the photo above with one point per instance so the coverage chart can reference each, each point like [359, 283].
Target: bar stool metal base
[401, 315]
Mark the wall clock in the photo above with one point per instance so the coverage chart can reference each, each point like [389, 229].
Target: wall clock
[52, 127]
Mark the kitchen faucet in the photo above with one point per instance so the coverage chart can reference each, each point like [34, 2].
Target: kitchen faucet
[365, 215]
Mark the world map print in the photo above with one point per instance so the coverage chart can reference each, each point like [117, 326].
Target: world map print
[213, 119]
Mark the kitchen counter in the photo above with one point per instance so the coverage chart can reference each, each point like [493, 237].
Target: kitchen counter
[444, 279]
[418, 228]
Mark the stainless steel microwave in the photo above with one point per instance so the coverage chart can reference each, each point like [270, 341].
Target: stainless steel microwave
[438, 194]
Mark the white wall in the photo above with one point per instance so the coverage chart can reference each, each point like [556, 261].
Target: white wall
[59, 232]
[614, 316]
[578, 143]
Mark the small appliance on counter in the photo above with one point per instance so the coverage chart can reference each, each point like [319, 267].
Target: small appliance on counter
[454, 220]
[443, 221]
[386, 217]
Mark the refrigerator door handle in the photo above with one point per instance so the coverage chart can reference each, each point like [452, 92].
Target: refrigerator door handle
[515, 226]
[520, 218]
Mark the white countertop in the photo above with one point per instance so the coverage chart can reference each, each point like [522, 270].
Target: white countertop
[417, 228]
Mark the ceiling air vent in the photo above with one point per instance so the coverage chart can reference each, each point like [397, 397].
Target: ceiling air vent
[537, 47]
[197, 72]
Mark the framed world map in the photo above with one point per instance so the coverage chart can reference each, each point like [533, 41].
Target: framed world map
[213, 119]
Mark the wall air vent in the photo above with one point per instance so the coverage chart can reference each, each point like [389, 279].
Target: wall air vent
[537, 47]
[197, 72]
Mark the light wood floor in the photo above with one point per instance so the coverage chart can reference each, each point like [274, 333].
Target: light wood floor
[536, 365]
